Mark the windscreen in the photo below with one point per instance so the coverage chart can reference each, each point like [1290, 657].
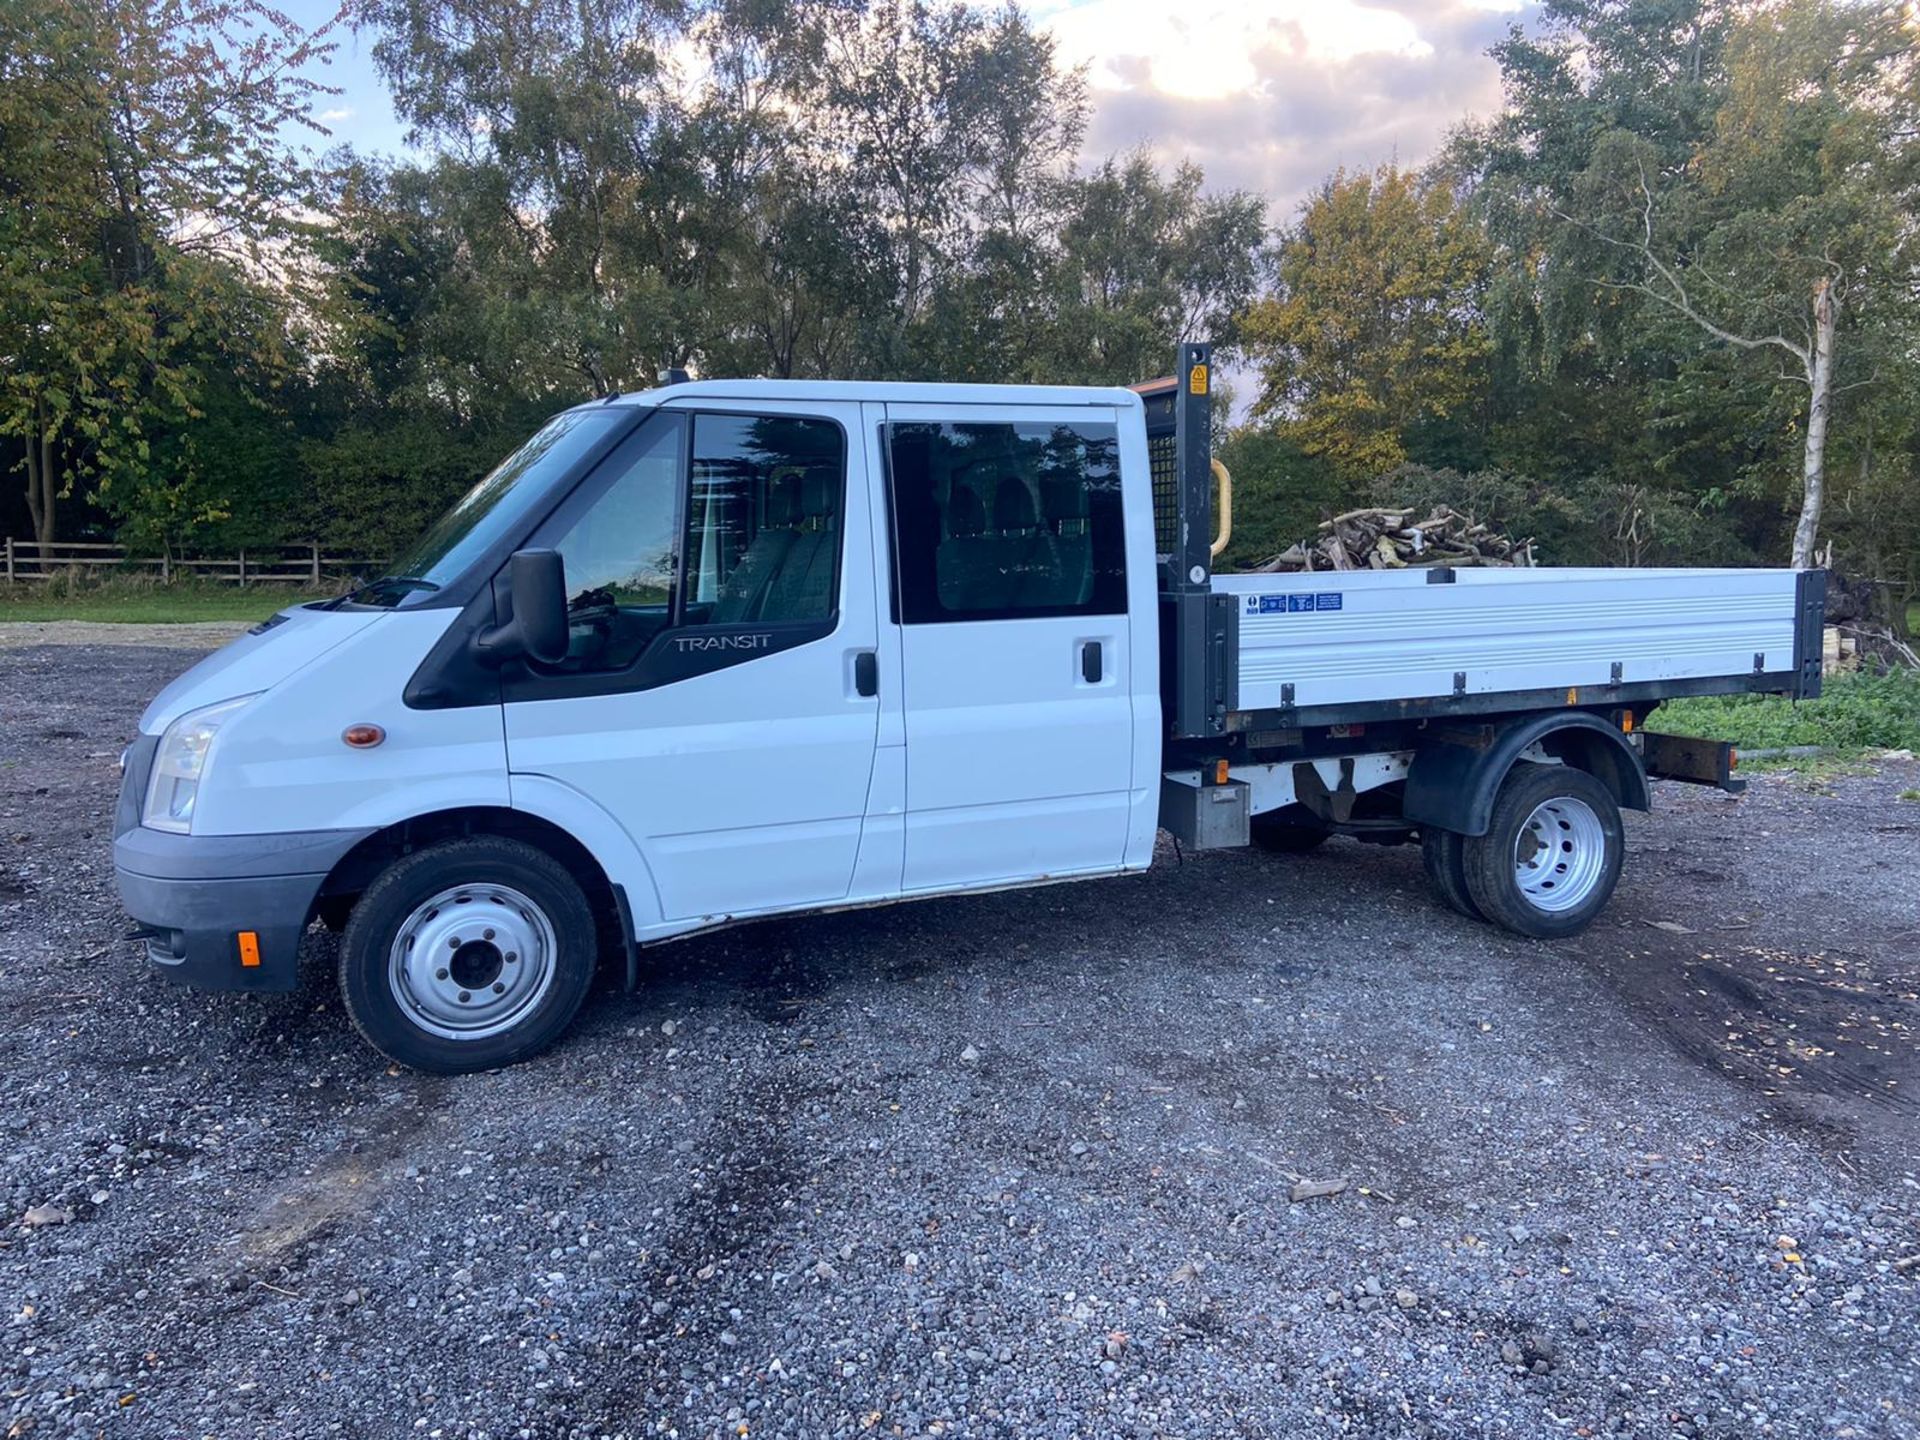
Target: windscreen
[500, 501]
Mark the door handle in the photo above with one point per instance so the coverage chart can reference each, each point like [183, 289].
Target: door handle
[1090, 657]
[866, 674]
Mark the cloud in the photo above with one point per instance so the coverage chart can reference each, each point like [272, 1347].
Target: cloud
[336, 115]
[1273, 95]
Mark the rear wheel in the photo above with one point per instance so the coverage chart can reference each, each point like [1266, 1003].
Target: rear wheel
[1290, 830]
[1444, 855]
[1551, 855]
[467, 955]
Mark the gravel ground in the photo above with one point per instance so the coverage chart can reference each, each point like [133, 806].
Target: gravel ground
[1016, 1165]
[192, 635]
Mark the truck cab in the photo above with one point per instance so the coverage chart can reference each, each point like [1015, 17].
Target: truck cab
[816, 644]
[728, 649]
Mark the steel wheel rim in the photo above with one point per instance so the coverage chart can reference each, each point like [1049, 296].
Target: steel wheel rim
[472, 961]
[1560, 854]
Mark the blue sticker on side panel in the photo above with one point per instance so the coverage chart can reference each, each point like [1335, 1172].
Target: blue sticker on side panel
[1295, 604]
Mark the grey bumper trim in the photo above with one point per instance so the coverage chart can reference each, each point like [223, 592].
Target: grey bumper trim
[165, 856]
[196, 892]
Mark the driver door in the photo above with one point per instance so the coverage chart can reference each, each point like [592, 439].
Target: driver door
[720, 582]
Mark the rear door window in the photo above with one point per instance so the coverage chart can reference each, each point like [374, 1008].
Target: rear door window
[1006, 520]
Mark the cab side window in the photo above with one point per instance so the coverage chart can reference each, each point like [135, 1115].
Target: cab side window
[1007, 521]
[738, 525]
[763, 528]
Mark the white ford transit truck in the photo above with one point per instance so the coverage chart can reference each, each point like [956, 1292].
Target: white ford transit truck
[741, 648]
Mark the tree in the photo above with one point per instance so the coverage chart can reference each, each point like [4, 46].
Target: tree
[1145, 262]
[148, 182]
[1374, 324]
[1698, 171]
[1796, 206]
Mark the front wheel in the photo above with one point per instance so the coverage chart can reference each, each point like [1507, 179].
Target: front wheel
[1551, 855]
[468, 955]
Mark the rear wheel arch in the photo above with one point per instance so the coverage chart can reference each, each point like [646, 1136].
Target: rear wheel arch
[1607, 755]
[1453, 786]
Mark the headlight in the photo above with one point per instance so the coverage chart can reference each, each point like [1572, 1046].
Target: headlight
[179, 764]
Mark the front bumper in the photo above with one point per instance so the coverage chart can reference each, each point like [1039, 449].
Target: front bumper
[194, 895]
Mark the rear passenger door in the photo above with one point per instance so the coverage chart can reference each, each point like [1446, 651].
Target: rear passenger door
[1010, 592]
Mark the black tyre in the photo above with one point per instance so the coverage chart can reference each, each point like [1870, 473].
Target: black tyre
[1551, 857]
[1444, 854]
[1290, 830]
[467, 955]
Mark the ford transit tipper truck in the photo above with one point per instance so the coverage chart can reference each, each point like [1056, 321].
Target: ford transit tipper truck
[728, 649]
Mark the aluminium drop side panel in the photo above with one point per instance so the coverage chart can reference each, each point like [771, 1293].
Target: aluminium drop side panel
[1358, 637]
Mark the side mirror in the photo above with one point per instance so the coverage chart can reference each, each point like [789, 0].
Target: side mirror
[538, 627]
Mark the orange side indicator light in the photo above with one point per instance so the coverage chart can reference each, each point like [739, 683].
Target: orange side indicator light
[1219, 772]
[249, 950]
[1733, 759]
[363, 737]
[1626, 722]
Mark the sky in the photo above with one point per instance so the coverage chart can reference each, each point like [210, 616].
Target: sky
[1267, 95]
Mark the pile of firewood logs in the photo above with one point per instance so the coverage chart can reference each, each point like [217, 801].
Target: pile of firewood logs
[1385, 539]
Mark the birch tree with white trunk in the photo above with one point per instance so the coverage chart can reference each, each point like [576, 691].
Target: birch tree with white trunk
[1692, 292]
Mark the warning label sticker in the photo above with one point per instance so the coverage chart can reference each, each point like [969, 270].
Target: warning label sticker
[1316, 603]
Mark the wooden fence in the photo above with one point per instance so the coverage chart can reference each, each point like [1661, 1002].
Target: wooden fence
[28, 562]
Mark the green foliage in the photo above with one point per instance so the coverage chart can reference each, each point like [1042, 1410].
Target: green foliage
[1664, 189]
[854, 188]
[377, 484]
[148, 178]
[1855, 712]
[1280, 493]
[1373, 327]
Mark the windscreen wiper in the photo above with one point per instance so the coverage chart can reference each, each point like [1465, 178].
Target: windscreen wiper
[385, 584]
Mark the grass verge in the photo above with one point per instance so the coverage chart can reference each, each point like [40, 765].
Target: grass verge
[1855, 714]
[126, 603]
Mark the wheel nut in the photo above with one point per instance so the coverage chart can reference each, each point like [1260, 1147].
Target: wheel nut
[511, 957]
[465, 996]
[499, 988]
[453, 942]
[440, 974]
[487, 936]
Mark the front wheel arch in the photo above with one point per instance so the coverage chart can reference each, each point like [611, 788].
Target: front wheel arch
[369, 859]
